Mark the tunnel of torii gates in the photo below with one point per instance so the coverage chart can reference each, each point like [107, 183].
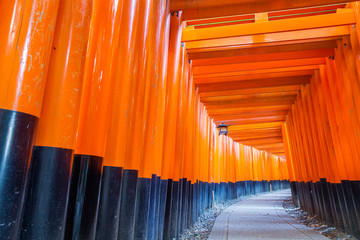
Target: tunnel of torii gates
[109, 112]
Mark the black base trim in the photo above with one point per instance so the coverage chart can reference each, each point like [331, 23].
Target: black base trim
[17, 131]
[337, 204]
[162, 207]
[142, 210]
[109, 207]
[127, 206]
[46, 200]
[83, 197]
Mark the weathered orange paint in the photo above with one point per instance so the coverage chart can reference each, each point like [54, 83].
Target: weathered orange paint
[157, 45]
[27, 30]
[97, 92]
[116, 142]
[172, 95]
[59, 116]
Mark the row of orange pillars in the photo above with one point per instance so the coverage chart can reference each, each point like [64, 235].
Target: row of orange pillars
[103, 135]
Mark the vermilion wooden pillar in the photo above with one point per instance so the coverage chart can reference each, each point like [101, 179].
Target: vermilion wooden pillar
[27, 32]
[46, 202]
[171, 113]
[94, 118]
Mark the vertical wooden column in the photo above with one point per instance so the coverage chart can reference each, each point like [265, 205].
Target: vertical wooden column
[151, 83]
[288, 151]
[171, 113]
[27, 29]
[95, 113]
[46, 203]
[118, 180]
[136, 191]
[333, 120]
[159, 144]
[324, 128]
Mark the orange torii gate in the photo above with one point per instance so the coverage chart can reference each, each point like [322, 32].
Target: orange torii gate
[109, 112]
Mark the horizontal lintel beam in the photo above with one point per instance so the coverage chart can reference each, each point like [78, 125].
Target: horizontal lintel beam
[258, 49]
[254, 126]
[293, 24]
[313, 53]
[270, 38]
[279, 64]
[202, 9]
[262, 83]
[251, 91]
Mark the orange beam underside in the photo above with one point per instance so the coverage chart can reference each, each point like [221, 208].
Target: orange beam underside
[268, 27]
[201, 9]
[274, 15]
[255, 74]
[251, 91]
[206, 100]
[264, 57]
[258, 65]
[249, 84]
[269, 39]
[252, 120]
[257, 49]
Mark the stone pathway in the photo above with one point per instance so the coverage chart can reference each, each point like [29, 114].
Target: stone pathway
[260, 217]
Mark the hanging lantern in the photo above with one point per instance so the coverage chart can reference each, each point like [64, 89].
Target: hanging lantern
[223, 129]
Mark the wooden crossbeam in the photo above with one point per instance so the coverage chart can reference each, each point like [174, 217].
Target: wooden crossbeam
[250, 134]
[213, 112]
[261, 83]
[255, 74]
[258, 49]
[255, 126]
[206, 100]
[226, 68]
[252, 120]
[252, 102]
[270, 39]
[268, 27]
[263, 135]
[260, 141]
[314, 53]
[251, 91]
[269, 145]
[202, 9]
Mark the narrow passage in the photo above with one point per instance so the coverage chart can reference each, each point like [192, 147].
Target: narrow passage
[261, 217]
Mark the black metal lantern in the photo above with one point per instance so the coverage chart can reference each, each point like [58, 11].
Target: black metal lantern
[223, 129]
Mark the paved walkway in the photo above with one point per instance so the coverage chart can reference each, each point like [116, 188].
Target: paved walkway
[261, 217]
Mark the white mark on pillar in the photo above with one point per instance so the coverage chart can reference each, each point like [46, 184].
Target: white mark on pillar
[30, 62]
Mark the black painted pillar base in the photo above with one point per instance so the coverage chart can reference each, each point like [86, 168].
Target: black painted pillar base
[17, 131]
[217, 192]
[181, 208]
[337, 204]
[153, 217]
[162, 207]
[222, 192]
[83, 197]
[189, 220]
[128, 205]
[142, 209]
[46, 202]
[109, 207]
[210, 196]
[168, 208]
